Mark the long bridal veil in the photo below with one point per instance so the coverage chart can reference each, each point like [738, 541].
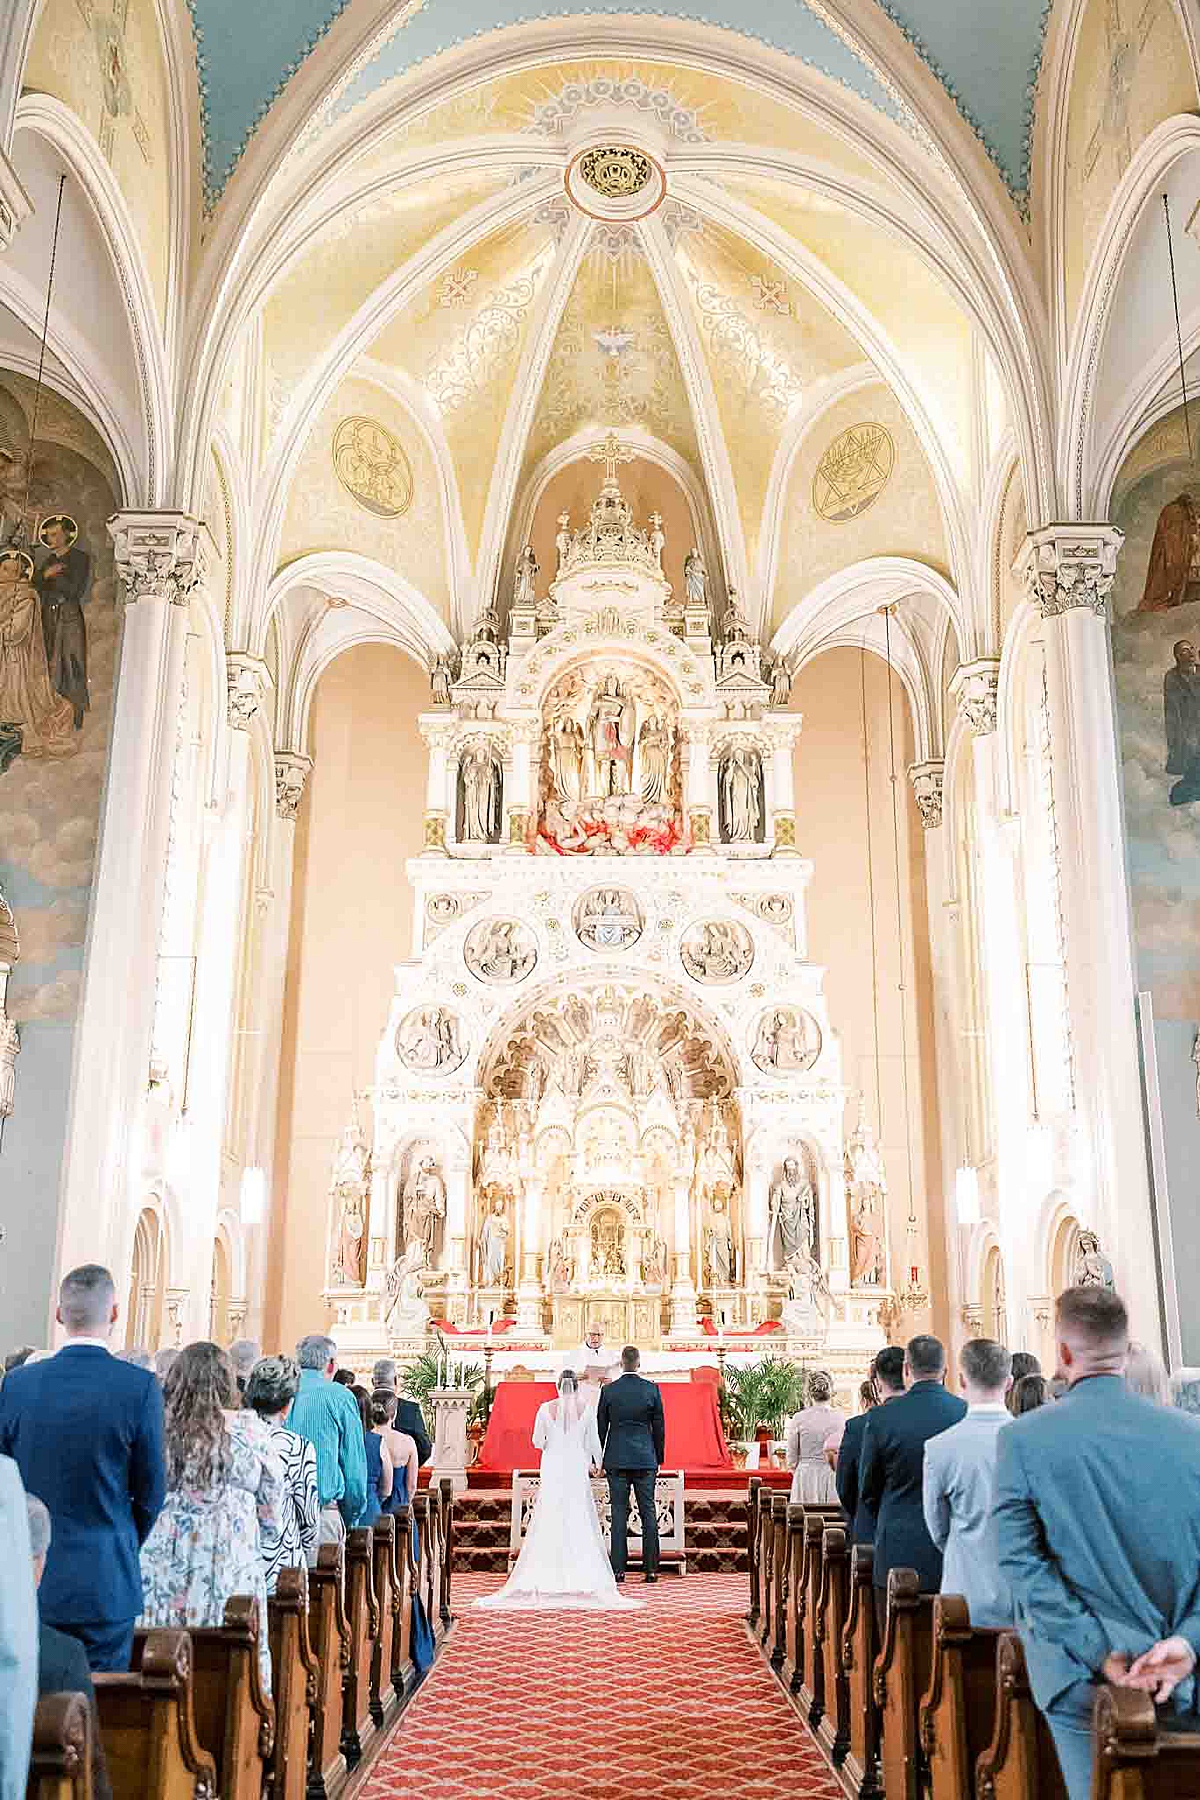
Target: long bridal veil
[564, 1562]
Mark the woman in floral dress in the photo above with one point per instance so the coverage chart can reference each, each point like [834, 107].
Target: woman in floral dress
[224, 1480]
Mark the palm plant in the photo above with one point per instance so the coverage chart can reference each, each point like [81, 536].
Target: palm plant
[764, 1394]
[427, 1371]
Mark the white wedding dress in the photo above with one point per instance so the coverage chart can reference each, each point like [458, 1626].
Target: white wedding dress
[563, 1562]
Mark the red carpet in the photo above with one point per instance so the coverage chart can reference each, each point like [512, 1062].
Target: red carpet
[672, 1703]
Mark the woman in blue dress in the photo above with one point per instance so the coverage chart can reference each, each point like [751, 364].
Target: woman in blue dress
[379, 1463]
[401, 1449]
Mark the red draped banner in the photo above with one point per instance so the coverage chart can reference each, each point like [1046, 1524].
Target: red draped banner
[695, 1441]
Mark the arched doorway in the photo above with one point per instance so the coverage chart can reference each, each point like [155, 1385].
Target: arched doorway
[147, 1283]
[221, 1293]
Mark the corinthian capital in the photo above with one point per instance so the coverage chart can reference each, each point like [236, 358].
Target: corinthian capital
[291, 773]
[248, 681]
[160, 555]
[976, 690]
[15, 205]
[927, 779]
[1067, 566]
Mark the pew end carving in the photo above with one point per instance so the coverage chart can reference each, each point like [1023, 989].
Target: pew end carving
[60, 1763]
[147, 1726]
[1020, 1762]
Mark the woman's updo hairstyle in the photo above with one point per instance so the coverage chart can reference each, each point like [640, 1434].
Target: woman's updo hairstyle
[820, 1387]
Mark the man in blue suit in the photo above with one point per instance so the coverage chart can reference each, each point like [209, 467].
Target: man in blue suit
[86, 1432]
[892, 1469]
[887, 1377]
[1098, 1520]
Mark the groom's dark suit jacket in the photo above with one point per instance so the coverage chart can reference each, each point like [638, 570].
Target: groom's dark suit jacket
[631, 1425]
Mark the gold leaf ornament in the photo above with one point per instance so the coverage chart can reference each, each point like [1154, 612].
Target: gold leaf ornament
[372, 467]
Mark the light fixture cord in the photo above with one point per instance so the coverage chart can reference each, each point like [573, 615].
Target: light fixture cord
[866, 749]
[37, 392]
[1187, 423]
[902, 985]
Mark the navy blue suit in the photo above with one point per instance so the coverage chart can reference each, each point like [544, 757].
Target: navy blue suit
[862, 1525]
[891, 1476]
[86, 1432]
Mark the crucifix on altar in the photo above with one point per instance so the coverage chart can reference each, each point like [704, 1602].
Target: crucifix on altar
[611, 451]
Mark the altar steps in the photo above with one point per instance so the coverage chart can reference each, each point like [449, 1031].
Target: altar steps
[714, 1531]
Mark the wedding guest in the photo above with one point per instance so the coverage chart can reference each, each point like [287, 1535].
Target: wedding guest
[1024, 1363]
[401, 1449]
[18, 1636]
[326, 1413]
[16, 1359]
[892, 1469]
[138, 1359]
[62, 1665]
[86, 1432]
[867, 1398]
[1146, 1374]
[1028, 1394]
[271, 1387]
[886, 1383]
[345, 1378]
[958, 1489]
[163, 1362]
[409, 1419]
[224, 1482]
[1185, 1391]
[379, 1462]
[243, 1354]
[1100, 1550]
[807, 1430]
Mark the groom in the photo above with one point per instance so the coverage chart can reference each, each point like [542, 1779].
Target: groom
[632, 1429]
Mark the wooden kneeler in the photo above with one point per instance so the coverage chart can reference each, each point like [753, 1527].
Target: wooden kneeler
[860, 1771]
[901, 1678]
[958, 1711]
[146, 1725]
[1020, 1763]
[60, 1765]
[296, 1676]
[329, 1630]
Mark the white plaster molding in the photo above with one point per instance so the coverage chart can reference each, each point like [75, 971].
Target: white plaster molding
[1153, 397]
[163, 554]
[927, 780]
[976, 688]
[1067, 566]
[15, 204]
[249, 682]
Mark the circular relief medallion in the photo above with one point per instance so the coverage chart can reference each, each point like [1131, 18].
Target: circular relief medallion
[717, 951]
[500, 951]
[615, 171]
[430, 1041]
[785, 1040]
[371, 465]
[853, 472]
[608, 919]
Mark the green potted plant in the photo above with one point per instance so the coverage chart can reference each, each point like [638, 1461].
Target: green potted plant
[761, 1397]
[432, 1369]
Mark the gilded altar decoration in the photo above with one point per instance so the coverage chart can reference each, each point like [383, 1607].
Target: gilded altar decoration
[429, 1041]
[372, 467]
[500, 951]
[853, 472]
[615, 171]
[785, 1041]
[717, 951]
[608, 919]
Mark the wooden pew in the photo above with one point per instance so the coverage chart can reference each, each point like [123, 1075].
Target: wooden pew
[793, 1660]
[752, 1494]
[403, 1577]
[387, 1600]
[358, 1727]
[812, 1687]
[860, 1771]
[146, 1725]
[1135, 1759]
[766, 1564]
[296, 1676]
[421, 1511]
[233, 1713]
[833, 1608]
[329, 1630]
[901, 1677]
[445, 1612]
[959, 1708]
[1020, 1762]
[779, 1559]
[60, 1766]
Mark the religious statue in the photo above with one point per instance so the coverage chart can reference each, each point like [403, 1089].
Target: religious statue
[405, 1312]
[610, 731]
[1092, 1267]
[787, 1041]
[808, 1296]
[654, 1264]
[526, 578]
[866, 1188]
[500, 951]
[717, 950]
[440, 678]
[607, 1245]
[566, 742]
[348, 1187]
[655, 742]
[741, 795]
[424, 1204]
[562, 541]
[480, 768]
[10, 1046]
[695, 578]
[608, 919]
[428, 1040]
[658, 537]
[791, 1216]
[493, 1246]
[781, 680]
[718, 1244]
[558, 1267]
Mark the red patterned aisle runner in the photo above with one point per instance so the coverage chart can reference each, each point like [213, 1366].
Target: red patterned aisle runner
[672, 1703]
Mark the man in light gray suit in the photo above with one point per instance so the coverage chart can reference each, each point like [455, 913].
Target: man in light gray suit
[958, 1491]
[1098, 1519]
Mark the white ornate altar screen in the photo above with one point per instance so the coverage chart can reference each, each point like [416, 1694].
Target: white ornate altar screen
[608, 1089]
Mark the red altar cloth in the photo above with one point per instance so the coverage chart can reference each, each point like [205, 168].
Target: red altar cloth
[695, 1441]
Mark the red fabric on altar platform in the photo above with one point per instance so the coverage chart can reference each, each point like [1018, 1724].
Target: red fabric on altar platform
[695, 1441]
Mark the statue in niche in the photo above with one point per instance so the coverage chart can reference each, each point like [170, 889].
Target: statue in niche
[781, 681]
[787, 1041]
[718, 1243]
[1092, 1267]
[654, 1265]
[526, 578]
[741, 796]
[562, 541]
[493, 1245]
[441, 677]
[610, 730]
[559, 1269]
[608, 1244]
[658, 537]
[808, 1297]
[348, 1185]
[566, 742]
[500, 951]
[866, 1187]
[714, 1154]
[655, 744]
[695, 578]
[424, 1206]
[405, 1312]
[428, 1041]
[717, 950]
[608, 919]
[10, 1049]
[480, 772]
[791, 1217]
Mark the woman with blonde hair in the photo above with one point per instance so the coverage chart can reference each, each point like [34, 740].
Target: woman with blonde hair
[807, 1433]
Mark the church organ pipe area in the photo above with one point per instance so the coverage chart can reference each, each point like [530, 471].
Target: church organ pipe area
[608, 1089]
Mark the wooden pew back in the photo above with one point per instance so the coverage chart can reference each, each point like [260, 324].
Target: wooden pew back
[752, 1494]
[383, 1554]
[860, 1771]
[329, 1629]
[793, 1661]
[1020, 1762]
[447, 1560]
[832, 1611]
[60, 1765]
[295, 1676]
[812, 1687]
[1134, 1758]
[901, 1678]
[146, 1724]
[958, 1709]
[234, 1715]
[782, 1586]
[404, 1576]
[358, 1727]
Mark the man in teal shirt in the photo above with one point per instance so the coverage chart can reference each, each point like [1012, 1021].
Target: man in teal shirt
[327, 1415]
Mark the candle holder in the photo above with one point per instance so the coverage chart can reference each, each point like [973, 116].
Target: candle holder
[488, 1353]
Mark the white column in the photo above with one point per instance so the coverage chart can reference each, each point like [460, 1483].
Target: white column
[781, 787]
[1069, 572]
[699, 788]
[437, 739]
[518, 798]
[683, 1289]
[160, 559]
[529, 1289]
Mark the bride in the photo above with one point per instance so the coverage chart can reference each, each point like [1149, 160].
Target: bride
[563, 1562]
